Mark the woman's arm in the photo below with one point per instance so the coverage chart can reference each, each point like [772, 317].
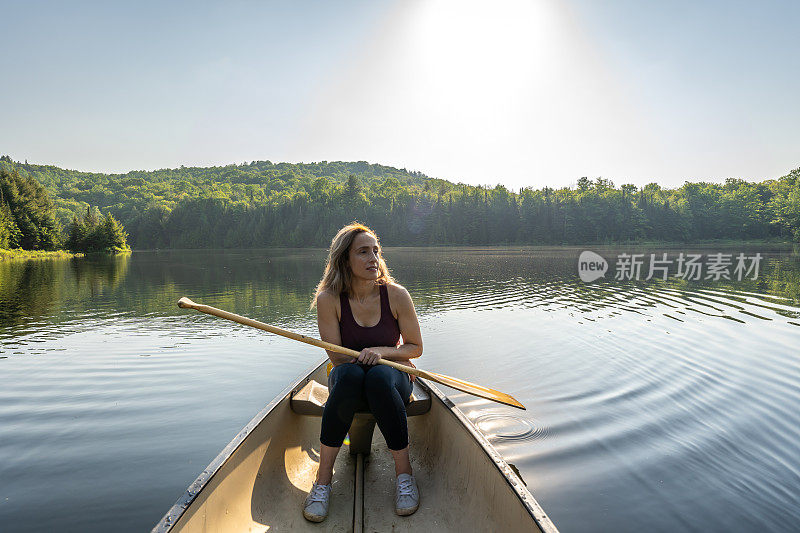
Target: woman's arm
[328, 325]
[409, 328]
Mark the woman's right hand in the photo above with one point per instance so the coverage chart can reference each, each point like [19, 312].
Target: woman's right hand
[369, 356]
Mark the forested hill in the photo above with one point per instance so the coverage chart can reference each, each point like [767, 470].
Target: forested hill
[284, 204]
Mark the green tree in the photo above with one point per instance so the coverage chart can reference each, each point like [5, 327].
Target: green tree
[10, 235]
[786, 204]
[87, 234]
[32, 212]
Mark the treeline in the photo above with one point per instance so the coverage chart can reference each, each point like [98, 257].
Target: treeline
[28, 220]
[267, 204]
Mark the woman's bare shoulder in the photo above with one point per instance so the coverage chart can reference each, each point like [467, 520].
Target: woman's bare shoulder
[398, 294]
[327, 298]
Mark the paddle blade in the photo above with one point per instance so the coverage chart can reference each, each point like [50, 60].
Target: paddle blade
[474, 389]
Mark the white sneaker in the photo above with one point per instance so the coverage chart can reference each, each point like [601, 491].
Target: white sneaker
[406, 495]
[316, 507]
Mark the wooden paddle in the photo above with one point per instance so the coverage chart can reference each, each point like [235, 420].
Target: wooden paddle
[464, 386]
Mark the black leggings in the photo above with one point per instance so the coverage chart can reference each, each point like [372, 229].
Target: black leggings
[386, 391]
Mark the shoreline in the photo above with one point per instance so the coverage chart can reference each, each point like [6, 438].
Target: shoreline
[20, 254]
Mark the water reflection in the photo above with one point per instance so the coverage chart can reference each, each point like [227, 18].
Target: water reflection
[277, 284]
[33, 289]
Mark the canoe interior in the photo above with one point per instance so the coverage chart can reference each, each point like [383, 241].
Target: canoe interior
[259, 482]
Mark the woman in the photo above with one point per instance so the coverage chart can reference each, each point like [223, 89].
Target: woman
[361, 307]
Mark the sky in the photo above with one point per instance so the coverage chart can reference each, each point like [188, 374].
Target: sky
[523, 93]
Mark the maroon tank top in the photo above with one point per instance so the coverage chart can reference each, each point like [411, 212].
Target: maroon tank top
[385, 333]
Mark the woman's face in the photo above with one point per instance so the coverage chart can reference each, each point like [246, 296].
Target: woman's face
[363, 257]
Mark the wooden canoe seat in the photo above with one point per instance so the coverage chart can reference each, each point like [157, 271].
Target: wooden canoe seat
[310, 401]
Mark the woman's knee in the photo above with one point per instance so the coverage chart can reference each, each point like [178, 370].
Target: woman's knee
[347, 371]
[380, 376]
[380, 379]
[347, 377]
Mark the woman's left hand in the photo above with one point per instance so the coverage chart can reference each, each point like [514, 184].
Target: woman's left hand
[369, 356]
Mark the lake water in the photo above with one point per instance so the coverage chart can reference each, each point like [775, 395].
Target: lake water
[652, 405]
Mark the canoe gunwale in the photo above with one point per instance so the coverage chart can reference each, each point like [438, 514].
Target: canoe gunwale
[528, 501]
[175, 513]
[185, 500]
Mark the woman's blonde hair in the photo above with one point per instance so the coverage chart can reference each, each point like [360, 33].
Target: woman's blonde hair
[337, 277]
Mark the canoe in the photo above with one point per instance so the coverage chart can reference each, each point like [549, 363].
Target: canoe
[260, 480]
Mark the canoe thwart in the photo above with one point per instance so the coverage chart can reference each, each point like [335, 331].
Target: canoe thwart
[310, 401]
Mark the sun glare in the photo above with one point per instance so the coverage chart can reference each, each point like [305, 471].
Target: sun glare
[480, 47]
[507, 91]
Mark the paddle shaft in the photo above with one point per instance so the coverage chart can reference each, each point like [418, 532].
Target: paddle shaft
[465, 386]
[186, 303]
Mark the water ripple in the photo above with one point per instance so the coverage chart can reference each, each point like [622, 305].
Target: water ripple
[502, 426]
